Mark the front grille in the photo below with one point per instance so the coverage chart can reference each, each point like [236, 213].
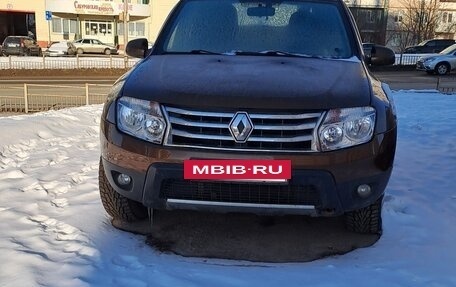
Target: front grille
[271, 131]
[240, 192]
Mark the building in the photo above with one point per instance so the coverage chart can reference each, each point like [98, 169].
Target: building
[73, 19]
[412, 21]
[371, 18]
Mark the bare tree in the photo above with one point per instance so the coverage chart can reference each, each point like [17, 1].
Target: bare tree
[418, 20]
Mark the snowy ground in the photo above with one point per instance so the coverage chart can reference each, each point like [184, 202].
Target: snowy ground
[54, 231]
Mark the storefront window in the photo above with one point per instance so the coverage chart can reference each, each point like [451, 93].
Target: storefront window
[57, 25]
[66, 28]
[60, 25]
[73, 26]
[140, 29]
[135, 29]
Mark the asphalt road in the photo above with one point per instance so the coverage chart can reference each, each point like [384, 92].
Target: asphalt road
[397, 80]
[47, 93]
[413, 80]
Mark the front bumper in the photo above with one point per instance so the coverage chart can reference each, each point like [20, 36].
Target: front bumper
[322, 184]
[423, 66]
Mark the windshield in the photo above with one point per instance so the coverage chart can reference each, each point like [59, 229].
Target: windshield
[423, 43]
[230, 26]
[449, 50]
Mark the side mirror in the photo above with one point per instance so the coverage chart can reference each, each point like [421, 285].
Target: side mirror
[377, 55]
[137, 48]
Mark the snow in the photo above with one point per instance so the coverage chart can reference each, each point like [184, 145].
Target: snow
[54, 231]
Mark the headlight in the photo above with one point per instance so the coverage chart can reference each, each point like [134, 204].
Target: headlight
[141, 119]
[429, 59]
[346, 127]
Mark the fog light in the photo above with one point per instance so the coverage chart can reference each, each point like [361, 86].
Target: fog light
[364, 190]
[123, 179]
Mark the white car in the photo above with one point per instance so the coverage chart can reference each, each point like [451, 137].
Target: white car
[93, 46]
[62, 48]
[441, 63]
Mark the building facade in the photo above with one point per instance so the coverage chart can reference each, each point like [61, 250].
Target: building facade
[74, 19]
[408, 19]
[371, 19]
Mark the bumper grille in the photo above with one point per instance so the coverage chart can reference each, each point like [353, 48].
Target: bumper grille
[271, 132]
[240, 192]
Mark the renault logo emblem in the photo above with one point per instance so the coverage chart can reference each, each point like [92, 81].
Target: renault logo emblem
[241, 127]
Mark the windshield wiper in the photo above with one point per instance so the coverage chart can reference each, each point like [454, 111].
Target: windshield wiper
[203, 52]
[271, 53]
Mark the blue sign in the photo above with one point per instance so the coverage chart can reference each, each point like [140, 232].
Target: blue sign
[48, 15]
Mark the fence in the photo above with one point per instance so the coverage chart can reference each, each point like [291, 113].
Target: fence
[446, 84]
[407, 59]
[35, 98]
[78, 62]
[113, 62]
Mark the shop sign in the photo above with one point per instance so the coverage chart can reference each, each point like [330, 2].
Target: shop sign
[93, 8]
[86, 7]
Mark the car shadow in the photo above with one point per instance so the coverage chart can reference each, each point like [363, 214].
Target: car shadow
[251, 237]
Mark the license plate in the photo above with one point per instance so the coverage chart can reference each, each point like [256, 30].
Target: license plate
[238, 170]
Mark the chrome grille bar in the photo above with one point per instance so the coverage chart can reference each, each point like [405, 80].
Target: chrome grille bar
[197, 124]
[285, 117]
[271, 132]
[286, 127]
[198, 113]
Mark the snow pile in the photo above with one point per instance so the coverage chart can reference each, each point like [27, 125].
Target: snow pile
[54, 231]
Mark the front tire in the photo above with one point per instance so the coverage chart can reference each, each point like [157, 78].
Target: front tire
[442, 69]
[367, 219]
[117, 205]
[107, 51]
[80, 51]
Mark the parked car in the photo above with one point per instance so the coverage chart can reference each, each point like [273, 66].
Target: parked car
[441, 64]
[93, 46]
[379, 53]
[429, 46]
[21, 46]
[62, 48]
[231, 80]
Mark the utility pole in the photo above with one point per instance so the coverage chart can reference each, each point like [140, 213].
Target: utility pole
[126, 18]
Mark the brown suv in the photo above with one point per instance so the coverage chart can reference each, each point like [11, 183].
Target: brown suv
[21, 46]
[251, 80]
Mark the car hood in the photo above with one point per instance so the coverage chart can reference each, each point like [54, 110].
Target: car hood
[431, 56]
[250, 82]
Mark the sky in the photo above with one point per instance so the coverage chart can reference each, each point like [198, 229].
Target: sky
[54, 231]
